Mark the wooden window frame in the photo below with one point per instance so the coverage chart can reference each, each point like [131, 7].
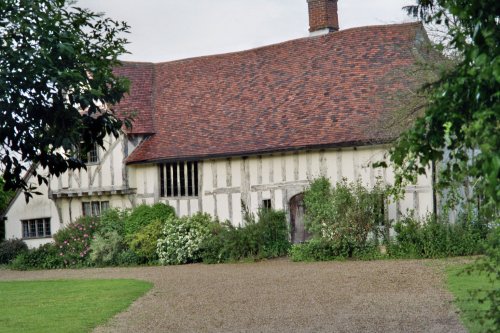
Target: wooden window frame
[90, 157]
[94, 208]
[36, 228]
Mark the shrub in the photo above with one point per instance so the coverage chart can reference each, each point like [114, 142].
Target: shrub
[315, 250]
[46, 256]
[73, 241]
[182, 237]
[128, 258]
[272, 230]
[106, 248]
[433, 238]
[344, 214]
[144, 242]
[9, 249]
[143, 215]
[113, 220]
[267, 238]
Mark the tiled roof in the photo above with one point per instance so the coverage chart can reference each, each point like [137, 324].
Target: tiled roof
[139, 103]
[313, 92]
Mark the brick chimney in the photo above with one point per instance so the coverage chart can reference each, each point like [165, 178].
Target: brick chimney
[323, 17]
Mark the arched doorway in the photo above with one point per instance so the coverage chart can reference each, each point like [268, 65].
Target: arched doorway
[297, 231]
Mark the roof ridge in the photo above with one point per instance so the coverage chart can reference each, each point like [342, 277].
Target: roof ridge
[278, 43]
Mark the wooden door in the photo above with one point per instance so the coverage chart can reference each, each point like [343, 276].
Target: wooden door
[297, 230]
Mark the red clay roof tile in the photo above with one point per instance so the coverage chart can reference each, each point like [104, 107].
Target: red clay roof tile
[139, 103]
[313, 92]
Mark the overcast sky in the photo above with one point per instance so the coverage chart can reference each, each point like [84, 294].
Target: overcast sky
[163, 30]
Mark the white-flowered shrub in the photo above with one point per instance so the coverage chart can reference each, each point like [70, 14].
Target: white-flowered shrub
[182, 237]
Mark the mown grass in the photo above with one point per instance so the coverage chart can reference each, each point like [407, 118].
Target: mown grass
[64, 305]
[461, 284]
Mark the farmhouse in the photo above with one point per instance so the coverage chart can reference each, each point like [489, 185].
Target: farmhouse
[224, 133]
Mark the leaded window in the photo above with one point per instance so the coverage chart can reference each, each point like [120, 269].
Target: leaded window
[36, 228]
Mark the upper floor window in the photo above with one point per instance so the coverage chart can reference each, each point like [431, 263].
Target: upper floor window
[92, 156]
[179, 179]
[36, 228]
[94, 208]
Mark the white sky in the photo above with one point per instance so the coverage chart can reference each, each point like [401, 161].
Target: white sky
[163, 30]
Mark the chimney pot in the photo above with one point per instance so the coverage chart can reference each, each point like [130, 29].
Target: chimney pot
[323, 17]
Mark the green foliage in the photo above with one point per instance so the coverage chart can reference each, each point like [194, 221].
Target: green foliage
[143, 215]
[46, 256]
[73, 241]
[106, 249]
[5, 197]
[317, 250]
[265, 238]
[56, 61]
[144, 242]
[460, 125]
[9, 249]
[344, 214]
[113, 220]
[61, 306]
[129, 258]
[182, 237]
[432, 238]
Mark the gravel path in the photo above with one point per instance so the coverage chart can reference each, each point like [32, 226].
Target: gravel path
[280, 296]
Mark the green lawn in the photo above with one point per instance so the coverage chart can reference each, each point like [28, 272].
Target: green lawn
[64, 305]
[460, 284]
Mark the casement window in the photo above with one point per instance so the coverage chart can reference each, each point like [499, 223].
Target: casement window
[94, 208]
[92, 156]
[179, 179]
[36, 228]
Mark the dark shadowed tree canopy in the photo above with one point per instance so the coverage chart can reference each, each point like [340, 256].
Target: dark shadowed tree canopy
[460, 127]
[57, 85]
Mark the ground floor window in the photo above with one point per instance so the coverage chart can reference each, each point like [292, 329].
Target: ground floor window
[36, 228]
[179, 179]
[94, 208]
[266, 204]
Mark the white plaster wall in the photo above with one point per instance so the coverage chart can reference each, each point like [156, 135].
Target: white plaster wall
[108, 173]
[225, 183]
[40, 206]
[60, 211]
[94, 184]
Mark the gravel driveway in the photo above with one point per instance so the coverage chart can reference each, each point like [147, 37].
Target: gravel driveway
[280, 296]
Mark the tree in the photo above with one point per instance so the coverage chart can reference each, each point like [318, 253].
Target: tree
[460, 126]
[57, 86]
[5, 197]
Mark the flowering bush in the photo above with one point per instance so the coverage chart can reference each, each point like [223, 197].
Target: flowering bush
[182, 237]
[73, 241]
